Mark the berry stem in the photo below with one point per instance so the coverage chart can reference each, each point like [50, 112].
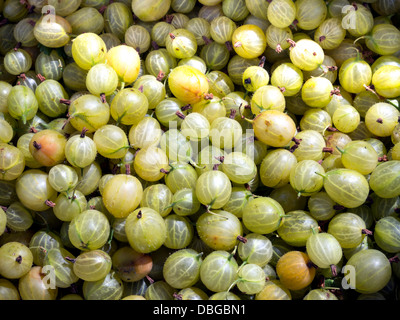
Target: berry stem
[65, 101]
[366, 231]
[206, 40]
[149, 279]
[50, 203]
[102, 9]
[160, 75]
[208, 96]
[331, 129]
[311, 264]
[164, 171]
[292, 43]
[155, 45]
[186, 107]
[180, 115]
[293, 148]
[338, 207]
[17, 46]
[216, 166]
[37, 145]
[262, 62]
[229, 45]
[40, 77]
[83, 133]
[168, 18]
[320, 174]
[296, 141]
[22, 76]
[335, 91]
[232, 253]
[19, 259]
[177, 296]
[327, 149]
[340, 150]
[3, 22]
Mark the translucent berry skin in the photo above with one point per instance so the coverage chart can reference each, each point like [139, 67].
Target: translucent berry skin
[249, 41]
[48, 147]
[295, 271]
[274, 128]
[188, 84]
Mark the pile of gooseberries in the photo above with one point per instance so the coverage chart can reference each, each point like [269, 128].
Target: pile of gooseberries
[200, 150]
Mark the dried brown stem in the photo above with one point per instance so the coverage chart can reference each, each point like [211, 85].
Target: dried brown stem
[367, 232]
[338, 207]
[70, 259]
[335, 91]
[40, 77]
[208, 96]
[160, 75]
[36, 145]
[177, 296]
[128, 169]
[206, 40]
[384, 158]
[65, 101]
[180, 115]
[50, 204]
[149, 279]
[155, 45]
[296, 141]
[293, 148]
[262, 62]
[186, 107]
[292, 43]
[83, 133]
[334, 270]
[331, 129]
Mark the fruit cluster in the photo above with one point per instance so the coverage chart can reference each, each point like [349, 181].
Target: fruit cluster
[199, 150]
